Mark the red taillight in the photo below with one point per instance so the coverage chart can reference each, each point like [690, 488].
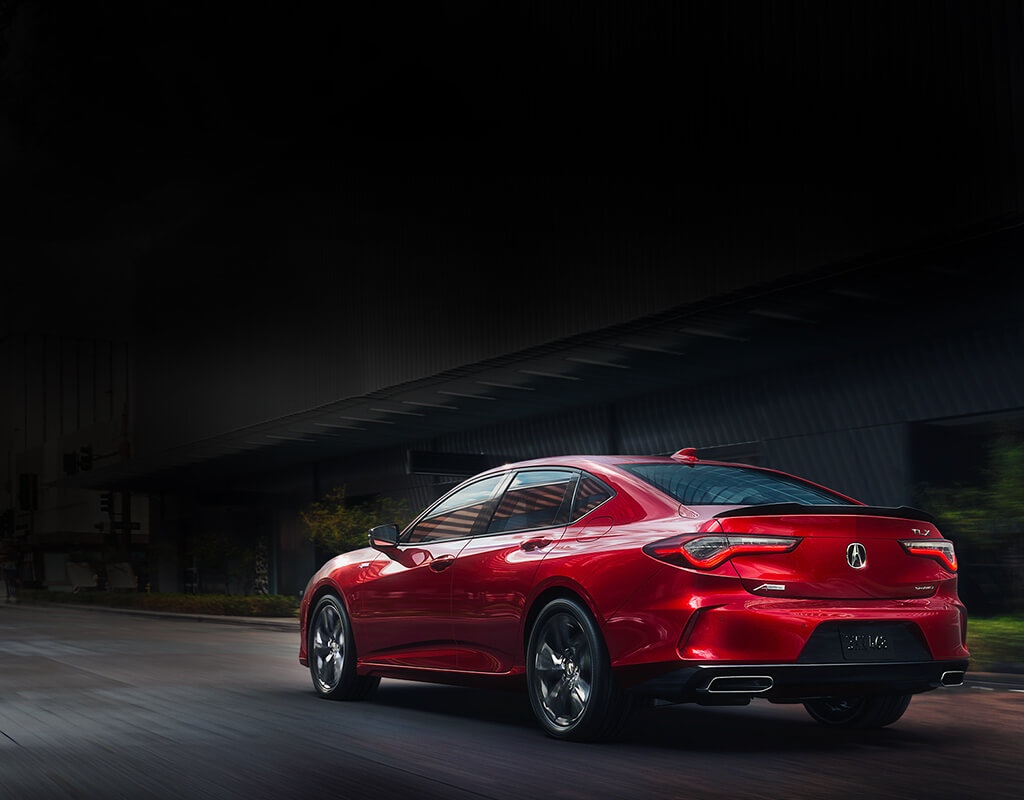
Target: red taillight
[707, 552]
[942, 551]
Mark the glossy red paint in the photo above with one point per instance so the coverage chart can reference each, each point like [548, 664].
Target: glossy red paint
[460, 610]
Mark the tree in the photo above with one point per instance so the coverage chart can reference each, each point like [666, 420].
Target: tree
[997, 504]
[337, 526]
[986, 521]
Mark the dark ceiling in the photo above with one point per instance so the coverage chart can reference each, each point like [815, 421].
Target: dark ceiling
[128, 125]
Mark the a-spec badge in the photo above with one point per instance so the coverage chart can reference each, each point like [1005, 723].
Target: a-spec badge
[857, 556]
[920, 531]
[771, 587]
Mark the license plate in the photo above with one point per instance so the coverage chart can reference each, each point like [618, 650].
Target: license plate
[867, 645]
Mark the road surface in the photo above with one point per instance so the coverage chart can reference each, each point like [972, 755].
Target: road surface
[104, 705]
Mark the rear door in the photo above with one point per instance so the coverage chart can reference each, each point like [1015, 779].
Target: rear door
[494, 572]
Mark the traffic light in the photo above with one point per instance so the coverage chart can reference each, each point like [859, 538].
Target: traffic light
[85, 457]
[107, 503]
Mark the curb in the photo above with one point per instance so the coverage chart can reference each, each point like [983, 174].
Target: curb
[288, 624]
[1000, 668]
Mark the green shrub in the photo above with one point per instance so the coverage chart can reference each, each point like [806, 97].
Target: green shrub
[337, 526]
[273, 605]
[996, 640]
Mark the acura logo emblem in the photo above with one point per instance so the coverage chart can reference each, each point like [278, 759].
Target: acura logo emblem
[856, 556]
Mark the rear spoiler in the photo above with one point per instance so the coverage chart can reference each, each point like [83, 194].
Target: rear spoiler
[789, 509]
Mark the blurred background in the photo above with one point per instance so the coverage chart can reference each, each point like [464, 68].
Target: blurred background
[263, 258]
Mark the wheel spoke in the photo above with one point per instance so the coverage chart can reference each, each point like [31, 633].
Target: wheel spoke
[565, 632]
[328, 673]
[580, 693]
[557, 698]
[547, 659]
[555, 633]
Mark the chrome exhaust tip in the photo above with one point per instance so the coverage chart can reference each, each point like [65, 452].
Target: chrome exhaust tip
[740, 684]
[953, 677]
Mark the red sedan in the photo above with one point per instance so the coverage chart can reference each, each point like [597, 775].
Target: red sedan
[611, 580]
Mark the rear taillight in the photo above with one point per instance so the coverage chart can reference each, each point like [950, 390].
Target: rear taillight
[707, 552]
[941, 551]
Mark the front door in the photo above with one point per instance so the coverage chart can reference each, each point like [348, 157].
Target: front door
[406, 597]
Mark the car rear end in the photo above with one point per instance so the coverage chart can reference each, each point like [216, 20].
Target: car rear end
[793, 602]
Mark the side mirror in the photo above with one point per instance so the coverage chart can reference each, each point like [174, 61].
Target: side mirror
[384, 536]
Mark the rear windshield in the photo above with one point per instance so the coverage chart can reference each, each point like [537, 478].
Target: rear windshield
[713, 485]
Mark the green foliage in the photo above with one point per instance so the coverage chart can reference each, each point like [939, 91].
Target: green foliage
[337, 527]
[274, 605]
[986, 513]
[996, 640]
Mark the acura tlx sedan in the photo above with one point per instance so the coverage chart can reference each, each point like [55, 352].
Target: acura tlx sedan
[611, 581]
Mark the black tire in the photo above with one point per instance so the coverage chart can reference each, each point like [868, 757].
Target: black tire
[860, 713]
[573, 693]
[331, 652]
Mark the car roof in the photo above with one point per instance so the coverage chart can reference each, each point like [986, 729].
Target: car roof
[608, 466]
[601, 461]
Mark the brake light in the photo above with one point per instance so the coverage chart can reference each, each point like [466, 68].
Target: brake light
[942, 551]
[707, 552]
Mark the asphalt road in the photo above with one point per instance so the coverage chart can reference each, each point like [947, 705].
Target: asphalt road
[96, 705]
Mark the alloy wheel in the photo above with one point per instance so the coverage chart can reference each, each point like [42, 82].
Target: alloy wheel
[328, 647]
[563, 670]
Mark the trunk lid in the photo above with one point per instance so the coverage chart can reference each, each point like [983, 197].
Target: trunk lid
[845, 552]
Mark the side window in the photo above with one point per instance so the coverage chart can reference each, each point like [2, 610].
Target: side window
[534, 499]
[590, 494]
[457, 515]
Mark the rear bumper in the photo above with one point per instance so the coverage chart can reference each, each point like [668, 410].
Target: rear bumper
[736, 684]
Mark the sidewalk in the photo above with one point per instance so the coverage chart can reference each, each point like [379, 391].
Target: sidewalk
[290, 624]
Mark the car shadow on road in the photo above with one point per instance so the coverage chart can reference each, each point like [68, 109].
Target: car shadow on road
[760, 727]
[509, 707]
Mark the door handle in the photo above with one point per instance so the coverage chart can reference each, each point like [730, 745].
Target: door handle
[535, 544]
[442, 563]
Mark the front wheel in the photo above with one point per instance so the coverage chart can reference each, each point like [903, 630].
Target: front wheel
[572, 690]
[858, 712]
[331, 653]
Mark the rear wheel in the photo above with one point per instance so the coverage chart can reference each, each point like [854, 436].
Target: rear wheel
[331, 653]
[572, 690]
[858, 712]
